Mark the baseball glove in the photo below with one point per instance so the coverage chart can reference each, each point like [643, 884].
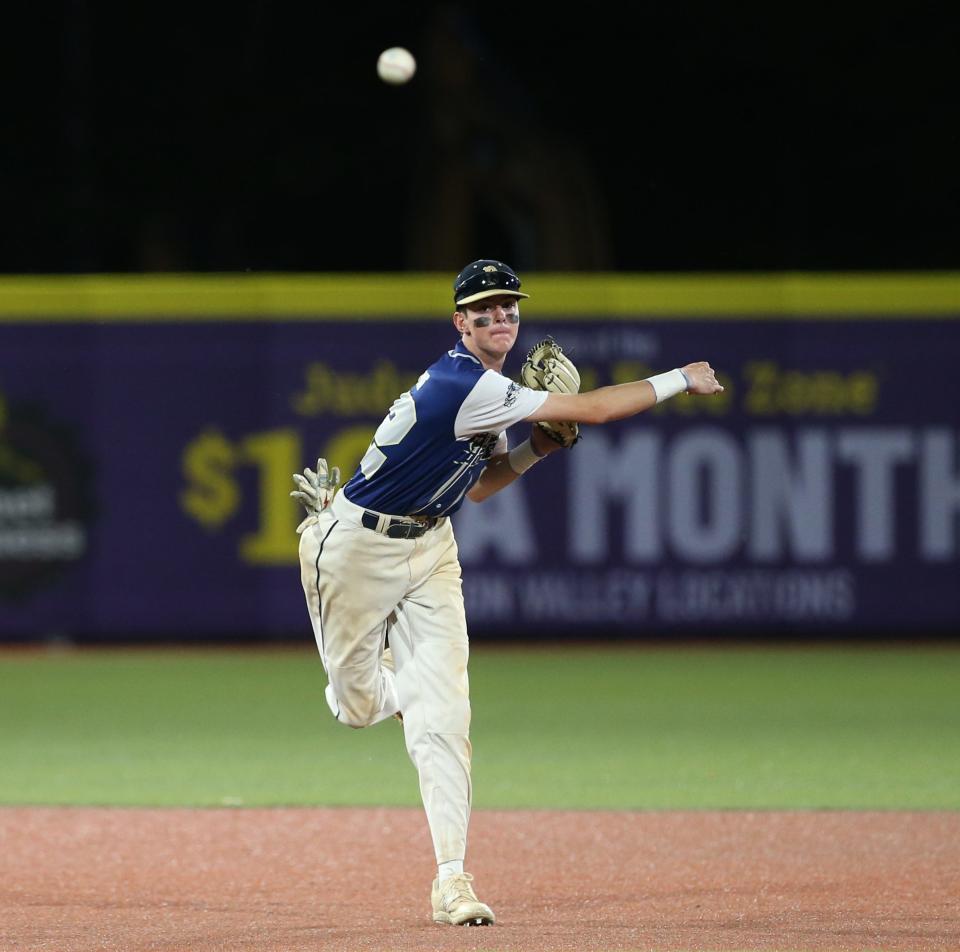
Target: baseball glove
[547, 367]
[315, 491]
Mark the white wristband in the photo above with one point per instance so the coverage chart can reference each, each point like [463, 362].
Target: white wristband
[522, 457]
[669, 384]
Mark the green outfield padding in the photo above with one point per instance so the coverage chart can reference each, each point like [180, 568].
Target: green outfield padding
[603, 727]
[176, 298]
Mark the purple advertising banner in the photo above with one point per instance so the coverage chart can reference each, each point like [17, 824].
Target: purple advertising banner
[145, 472]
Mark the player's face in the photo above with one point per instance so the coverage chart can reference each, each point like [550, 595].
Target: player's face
[493, 322]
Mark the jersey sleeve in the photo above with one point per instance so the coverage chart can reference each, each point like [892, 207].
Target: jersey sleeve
[494, 404]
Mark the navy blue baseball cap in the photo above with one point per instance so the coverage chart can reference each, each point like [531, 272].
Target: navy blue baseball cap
[485, 278]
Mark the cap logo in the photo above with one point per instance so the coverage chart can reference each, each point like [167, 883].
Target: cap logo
[489, 267]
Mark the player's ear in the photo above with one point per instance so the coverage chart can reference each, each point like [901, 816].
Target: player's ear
[460, 323]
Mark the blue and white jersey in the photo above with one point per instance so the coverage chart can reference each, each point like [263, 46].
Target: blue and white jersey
[436, 438]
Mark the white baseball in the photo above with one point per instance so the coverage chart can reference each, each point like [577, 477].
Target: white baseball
[396, 66]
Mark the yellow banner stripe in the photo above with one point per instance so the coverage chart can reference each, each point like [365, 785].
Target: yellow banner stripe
[266, 297]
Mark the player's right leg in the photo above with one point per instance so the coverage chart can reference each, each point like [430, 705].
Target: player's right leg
[353, 579]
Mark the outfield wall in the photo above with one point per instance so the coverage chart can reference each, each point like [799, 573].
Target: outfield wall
[149, 426]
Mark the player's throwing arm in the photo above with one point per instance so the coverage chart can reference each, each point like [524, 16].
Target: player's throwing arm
[627, 399]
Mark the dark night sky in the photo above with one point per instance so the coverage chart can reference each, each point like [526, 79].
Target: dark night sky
[259, 137]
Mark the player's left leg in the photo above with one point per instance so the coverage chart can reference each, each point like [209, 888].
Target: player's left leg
[428, 635]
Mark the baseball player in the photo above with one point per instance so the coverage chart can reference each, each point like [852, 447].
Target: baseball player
[379, 563]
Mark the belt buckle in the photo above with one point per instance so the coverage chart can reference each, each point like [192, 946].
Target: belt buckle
[409, 530]
[406, 527]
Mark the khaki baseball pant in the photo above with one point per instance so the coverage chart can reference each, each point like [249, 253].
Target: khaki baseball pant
[362, 588]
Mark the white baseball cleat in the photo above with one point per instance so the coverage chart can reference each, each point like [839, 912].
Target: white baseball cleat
[456, 904]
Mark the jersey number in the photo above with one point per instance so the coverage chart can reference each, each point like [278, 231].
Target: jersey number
[396, 425]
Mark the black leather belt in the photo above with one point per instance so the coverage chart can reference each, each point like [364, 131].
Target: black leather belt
[395, 527]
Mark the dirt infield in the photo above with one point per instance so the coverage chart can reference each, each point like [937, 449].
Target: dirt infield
[131, 880]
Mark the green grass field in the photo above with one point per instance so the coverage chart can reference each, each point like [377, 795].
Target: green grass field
[608, 727]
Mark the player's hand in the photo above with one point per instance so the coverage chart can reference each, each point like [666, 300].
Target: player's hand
[542, 442]
[702, 378]
[315, 491]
